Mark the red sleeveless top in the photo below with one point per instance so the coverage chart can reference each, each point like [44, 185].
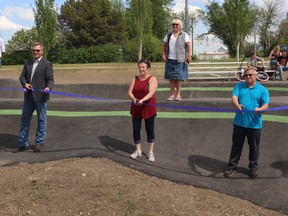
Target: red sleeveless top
[148, 108]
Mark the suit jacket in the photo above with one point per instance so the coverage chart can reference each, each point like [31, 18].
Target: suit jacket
[42, 78]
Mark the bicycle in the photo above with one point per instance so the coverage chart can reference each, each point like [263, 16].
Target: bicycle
[261, 76]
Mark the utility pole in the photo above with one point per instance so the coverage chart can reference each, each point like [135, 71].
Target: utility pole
[255, 43]
[192, 34]
[186, 16]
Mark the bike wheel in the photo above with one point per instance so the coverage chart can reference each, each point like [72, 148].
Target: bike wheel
[239, 76]
[262, 76]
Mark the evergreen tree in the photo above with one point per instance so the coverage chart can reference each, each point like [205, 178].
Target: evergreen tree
[91, 22]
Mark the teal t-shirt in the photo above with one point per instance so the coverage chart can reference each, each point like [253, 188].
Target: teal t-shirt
[250, 98]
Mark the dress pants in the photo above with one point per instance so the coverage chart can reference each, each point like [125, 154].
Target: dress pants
[238, 138]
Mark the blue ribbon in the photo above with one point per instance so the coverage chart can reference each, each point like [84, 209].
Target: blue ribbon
[158, 105]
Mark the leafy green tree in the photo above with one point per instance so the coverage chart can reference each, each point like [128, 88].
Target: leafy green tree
[267, 20]
[151, 49]
[46, 23]
[22, 40]
[282, 38]
[162, 16]
[19, 47]
[92, 22]
[117, 5]
[231, 22]
[140, 21]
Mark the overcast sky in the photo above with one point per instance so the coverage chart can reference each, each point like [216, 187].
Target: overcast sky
[18, 14]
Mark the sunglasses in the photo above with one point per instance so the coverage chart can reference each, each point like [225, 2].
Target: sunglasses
[34, 50]
[174, 24]
[246, 75]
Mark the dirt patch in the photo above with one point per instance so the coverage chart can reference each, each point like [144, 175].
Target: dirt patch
[91, 186]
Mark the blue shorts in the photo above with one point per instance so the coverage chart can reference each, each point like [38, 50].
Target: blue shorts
[176, 70]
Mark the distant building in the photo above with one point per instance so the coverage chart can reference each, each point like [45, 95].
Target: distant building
[222, 49]
[221, 53]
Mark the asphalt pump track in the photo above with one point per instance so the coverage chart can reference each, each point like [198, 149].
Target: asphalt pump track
[193, 136]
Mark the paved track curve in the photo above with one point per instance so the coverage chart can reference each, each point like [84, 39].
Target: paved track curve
[192, 147]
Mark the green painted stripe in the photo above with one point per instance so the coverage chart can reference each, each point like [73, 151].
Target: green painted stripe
[275, 118]
[277, 89]
[199, 89]
[178, 115]
[218, 89]
[88, 114]
[10, 112]
[196, 115]
[72, 113]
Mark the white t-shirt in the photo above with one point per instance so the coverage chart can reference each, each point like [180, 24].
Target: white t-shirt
[172, 44]
[2, 47]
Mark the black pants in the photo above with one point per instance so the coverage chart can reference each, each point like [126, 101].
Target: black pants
[238, 138]
[149, 126]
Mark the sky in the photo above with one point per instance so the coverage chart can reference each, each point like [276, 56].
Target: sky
[18, 14]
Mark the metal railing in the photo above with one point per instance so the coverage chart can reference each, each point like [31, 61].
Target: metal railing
[215, 70]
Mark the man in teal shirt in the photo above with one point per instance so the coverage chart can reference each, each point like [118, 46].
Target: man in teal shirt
[250, 99]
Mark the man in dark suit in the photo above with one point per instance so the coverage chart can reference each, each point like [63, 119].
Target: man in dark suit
[37, 80]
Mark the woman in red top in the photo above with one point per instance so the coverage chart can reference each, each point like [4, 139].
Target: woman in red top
[142, 93]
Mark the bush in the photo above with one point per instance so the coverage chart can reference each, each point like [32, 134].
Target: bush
[151, 49]
[93, 54]
[16, 57]
[129, 51]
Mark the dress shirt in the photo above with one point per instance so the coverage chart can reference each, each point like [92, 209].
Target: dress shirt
[35, 64]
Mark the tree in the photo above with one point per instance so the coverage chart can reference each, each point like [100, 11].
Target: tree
[139, 18]
[282, 38]
[161, 13]
[19, 46]
[92, 22]
[22, 40]
[117, 5]
[230, 22]
[46, 20]
[267, 20]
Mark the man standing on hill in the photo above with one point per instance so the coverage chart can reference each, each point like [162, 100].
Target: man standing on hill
[2, 50]
[250, 99]
[37, 80]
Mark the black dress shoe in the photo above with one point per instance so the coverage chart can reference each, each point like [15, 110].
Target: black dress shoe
[253, 174]
[21, 149]
[38, 148]
[230, 172]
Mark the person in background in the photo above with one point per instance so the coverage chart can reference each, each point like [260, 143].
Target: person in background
[253, 60]
[141, 91]
[37, 80]
[273, 56]
[176, 52]
[251, 99]
[2, 50]
[282, 64]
